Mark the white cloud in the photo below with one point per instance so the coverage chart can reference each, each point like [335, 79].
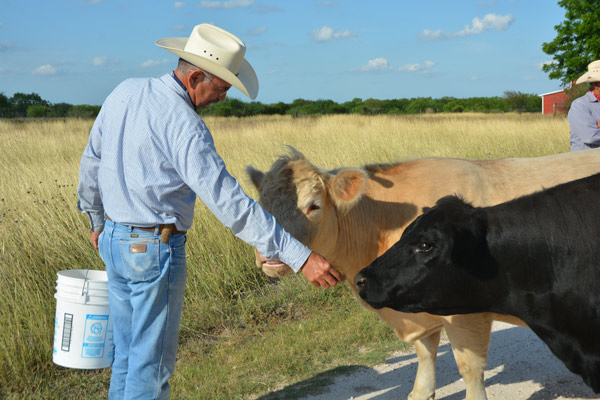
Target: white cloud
[433, 35]
[179, 27]
[45, 70]
[155, 63]
[257, 31]
[227, 4]
[382, 65]
[425, 67]
[377, 64]
[100, 61]
[489, 22]
[178, 4]
[479, 25]
[326, 34]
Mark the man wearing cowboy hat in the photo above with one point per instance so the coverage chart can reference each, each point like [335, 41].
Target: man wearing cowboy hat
[149, 155]
[584, 114]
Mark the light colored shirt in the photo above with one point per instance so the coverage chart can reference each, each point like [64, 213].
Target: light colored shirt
[583, 120]
[149, 155]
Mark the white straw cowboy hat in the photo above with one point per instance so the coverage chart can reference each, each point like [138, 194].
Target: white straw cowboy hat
[593, 74]
[218, 52]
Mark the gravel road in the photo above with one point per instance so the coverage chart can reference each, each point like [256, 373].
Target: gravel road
[520, 366]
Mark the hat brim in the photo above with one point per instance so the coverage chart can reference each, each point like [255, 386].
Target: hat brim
[245, 81]
[588, 78]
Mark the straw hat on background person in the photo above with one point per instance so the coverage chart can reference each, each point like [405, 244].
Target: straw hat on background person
[217, 52]
[592, 75]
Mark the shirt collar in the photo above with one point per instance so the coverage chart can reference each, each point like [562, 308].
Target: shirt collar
[594, 94]
[183, 87]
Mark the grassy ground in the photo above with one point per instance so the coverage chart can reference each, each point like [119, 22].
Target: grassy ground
[243, 335]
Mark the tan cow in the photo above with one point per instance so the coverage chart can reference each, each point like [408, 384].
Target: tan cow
[352, 215]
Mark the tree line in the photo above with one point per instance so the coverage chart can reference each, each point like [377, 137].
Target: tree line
[22, 105]
[511, 101]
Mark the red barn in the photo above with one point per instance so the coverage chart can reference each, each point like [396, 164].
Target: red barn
[553, 102]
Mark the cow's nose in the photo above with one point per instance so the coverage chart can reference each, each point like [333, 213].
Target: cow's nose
[360, 281]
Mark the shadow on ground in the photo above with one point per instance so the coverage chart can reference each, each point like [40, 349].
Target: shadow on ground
[520, 366]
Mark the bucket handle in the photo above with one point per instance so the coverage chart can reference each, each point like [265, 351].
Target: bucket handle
[86, 272]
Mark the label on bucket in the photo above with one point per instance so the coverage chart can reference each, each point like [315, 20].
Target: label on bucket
[94, 336]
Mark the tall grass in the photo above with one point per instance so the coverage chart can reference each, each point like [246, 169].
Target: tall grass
[233, 314]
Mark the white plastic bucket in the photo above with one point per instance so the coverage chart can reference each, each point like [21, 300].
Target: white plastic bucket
[83, 335]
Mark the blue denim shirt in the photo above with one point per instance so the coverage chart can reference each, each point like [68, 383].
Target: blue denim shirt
[583, 116]
[149, 155]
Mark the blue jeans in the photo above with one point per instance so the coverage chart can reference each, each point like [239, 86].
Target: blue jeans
[146, 282]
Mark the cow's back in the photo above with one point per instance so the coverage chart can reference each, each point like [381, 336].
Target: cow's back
[420, 183]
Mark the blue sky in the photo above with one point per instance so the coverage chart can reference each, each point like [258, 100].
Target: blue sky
[77, 51]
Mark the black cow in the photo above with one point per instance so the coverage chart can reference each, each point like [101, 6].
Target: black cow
[536, 257]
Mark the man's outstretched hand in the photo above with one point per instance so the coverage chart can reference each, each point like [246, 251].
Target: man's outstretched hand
[319, 272]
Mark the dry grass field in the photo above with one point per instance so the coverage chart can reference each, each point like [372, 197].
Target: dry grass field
[233, 316]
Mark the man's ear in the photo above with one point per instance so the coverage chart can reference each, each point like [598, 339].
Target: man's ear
[195, 77]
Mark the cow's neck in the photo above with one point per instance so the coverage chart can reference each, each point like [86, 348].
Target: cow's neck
[367, 231]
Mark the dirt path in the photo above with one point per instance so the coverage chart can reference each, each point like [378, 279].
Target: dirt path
[520, 366]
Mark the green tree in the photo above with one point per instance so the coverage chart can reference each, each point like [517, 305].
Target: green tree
[280, 108]
[39, 111]
[374, 106]
[577, 42]
[455, 106]
[84, 111]
[6, 108]
[420, 105]
[22, 101]
[516, 100]
[60, 109]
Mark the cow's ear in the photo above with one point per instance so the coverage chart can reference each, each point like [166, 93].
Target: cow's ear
[470, 248]
[256, 177]
[347, 187]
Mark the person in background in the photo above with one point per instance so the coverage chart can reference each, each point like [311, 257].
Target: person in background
[149, 155]
[584, 114]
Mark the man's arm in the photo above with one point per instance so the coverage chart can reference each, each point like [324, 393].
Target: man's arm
[88, 192]
[204, 171]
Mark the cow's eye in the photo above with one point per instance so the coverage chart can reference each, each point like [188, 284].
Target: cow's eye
[423, 247]
[313, 207]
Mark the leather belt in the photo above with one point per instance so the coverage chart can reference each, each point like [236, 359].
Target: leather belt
[166, 230]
